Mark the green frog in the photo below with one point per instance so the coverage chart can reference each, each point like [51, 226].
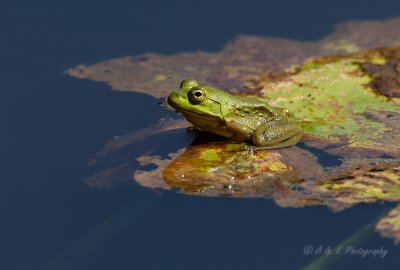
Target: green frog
[235, 117]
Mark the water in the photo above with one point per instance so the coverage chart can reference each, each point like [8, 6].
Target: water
[51, 125]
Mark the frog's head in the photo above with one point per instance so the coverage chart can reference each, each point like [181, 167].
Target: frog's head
[201, 105]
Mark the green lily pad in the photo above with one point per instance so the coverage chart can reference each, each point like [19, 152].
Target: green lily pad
[333, 98]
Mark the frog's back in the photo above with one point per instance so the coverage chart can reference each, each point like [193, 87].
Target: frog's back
[253, 112]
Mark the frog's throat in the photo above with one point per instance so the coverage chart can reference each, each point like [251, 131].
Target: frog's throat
[193, 116]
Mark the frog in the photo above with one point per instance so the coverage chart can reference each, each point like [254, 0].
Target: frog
[238, 118]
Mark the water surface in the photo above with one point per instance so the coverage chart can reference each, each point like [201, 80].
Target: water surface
[52, 124]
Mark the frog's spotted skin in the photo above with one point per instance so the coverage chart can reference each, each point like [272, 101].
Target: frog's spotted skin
[237, 118]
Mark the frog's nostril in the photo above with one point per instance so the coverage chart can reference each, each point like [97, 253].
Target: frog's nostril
[174, 99]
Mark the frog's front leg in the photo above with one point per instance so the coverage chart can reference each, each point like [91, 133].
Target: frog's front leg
[277, 134]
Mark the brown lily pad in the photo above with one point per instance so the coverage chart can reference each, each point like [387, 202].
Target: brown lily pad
[342, 90]
[238, 62]
[389, 226]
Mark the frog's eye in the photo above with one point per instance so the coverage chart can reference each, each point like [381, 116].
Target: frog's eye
[188, 83]
[197, 95]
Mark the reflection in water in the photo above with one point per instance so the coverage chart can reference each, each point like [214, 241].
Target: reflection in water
[98, 236]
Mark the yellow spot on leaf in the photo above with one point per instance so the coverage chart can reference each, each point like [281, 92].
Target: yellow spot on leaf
[160, 77]
[210, 155]
[277, 166]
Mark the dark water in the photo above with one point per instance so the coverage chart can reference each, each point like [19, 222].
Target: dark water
[51, 124]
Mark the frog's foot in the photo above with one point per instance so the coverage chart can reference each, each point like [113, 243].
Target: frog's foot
[287, 143]
[277, 134]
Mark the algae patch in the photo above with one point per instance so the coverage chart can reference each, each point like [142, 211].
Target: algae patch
[330, 97]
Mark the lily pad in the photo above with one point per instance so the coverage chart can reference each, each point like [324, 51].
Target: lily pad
[389, 226]
[232, 68]
[341, 89]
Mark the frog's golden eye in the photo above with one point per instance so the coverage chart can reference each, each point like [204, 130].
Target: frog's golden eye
[197, 95]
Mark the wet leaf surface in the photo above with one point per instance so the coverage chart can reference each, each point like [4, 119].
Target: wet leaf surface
[342, 91]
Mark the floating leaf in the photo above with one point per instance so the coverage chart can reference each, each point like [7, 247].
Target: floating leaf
[237, 63]
[334, 99]
[341, 89]
[389, 226]
[346, 119]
